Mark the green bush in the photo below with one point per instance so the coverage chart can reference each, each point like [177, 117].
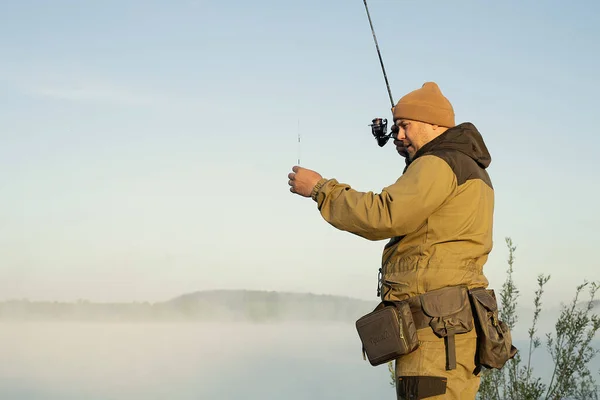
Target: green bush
[570, 347]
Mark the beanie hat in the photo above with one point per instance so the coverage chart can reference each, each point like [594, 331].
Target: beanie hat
[426, 104]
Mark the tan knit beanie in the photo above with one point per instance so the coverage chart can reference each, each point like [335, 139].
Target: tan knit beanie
[426, 104]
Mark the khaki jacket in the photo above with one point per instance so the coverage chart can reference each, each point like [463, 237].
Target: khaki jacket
[437, 216]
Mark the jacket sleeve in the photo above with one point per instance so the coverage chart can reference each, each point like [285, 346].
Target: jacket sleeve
[399, 209]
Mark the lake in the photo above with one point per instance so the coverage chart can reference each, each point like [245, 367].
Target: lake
[62, 360]
[135, 361]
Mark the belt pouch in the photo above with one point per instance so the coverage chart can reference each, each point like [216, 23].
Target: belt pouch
[450, 312]
[387, 332]
[494, 339]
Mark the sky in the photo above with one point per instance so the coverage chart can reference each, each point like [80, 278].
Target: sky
[146, 145]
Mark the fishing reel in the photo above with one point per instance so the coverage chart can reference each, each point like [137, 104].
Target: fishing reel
[379, 129]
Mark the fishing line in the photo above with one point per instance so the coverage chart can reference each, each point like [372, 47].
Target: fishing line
[299, 145]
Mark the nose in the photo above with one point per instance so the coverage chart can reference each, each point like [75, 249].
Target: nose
[397, 133]
[395, 130]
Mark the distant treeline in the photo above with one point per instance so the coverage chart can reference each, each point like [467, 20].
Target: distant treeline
[220, 305]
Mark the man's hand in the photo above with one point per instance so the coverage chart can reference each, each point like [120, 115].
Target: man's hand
[302, 180]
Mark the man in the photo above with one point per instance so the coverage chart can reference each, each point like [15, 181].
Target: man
[438, 219]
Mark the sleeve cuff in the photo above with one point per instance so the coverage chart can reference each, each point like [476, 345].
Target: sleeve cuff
[317, 187]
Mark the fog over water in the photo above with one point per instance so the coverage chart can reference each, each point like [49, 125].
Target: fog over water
[65, 360]
[100, 360]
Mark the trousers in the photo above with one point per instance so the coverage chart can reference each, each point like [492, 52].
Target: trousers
[421, 374]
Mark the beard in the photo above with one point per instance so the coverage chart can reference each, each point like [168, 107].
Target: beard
[402, 151]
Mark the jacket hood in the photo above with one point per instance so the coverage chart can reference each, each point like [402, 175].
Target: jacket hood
[464, 138]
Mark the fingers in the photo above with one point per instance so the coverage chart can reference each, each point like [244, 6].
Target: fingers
[293, 182]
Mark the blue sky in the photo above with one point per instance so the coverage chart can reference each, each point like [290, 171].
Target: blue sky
[145, 145]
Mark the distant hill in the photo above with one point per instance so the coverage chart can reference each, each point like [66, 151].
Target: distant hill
[216, 305]
[270, 306]
[232, 305]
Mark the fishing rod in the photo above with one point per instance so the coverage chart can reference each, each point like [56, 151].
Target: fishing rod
[379, 125]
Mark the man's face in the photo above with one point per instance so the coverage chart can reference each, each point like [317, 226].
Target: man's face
[411, 136]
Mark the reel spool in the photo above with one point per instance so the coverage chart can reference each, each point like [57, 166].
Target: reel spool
[379, 131]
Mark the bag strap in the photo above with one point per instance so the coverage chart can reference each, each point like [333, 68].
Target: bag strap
[450, 349]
